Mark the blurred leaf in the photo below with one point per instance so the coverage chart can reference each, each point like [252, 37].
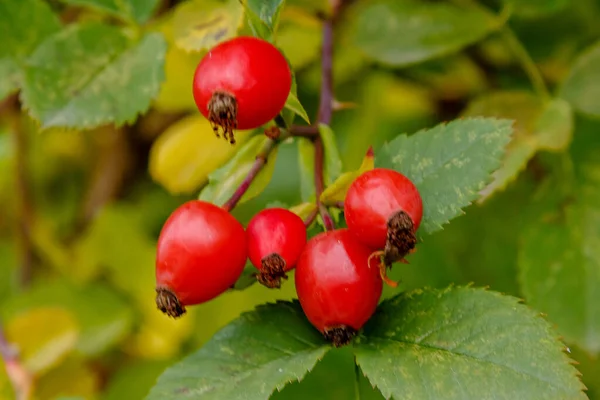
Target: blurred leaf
[332, 162]
[248, 277]
[43, 335]
[23, 25]
[538, 125]
[224, 181]
[336, 192]
[306, 164]
[6, 389]
[137, 10]
[299, 36]
[403, 32]
[256, 354]
[87, 76]
[9, 270]
[202, 24]
[263, 16]
[559, 260]
[580, 87]
[554, 127]
[464, 343]
[102, 316]
[187, 152]
[133, 381]
[180, 66]
[536, 8]
[449, 164]
[72, 378]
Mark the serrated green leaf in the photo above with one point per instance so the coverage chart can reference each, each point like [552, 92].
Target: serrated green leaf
[258, 353]
[97, 330]
[581, 88]
[23, 25]
[538, 125]
[224, 181]
[464, 343]
[536, 8]
[449, 164]
[306, 164]
[332, 168]
[559, 257]
[136, 10]
[202, 24]
[88, 75]
[403, 32]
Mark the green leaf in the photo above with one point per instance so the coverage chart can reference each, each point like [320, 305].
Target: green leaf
[538, 125]
[449, 164]
[580, 88]
[134, 381]
[336, 191]
[224, 181]
[23, 25]
[98, 330]
[202, 24]
[293, 104]
[248, 277]
[403, 32]
[88, 75]
[263, 16]
[136, 10]
[332, 161]
[536, 8]
[258, 353]
[559, 258]
[464, 343]
[306, 164]
[299, 37]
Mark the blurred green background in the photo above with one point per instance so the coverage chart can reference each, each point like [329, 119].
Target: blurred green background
[80, 210]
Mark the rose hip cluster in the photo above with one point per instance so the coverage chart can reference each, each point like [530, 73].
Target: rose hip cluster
[202, 251]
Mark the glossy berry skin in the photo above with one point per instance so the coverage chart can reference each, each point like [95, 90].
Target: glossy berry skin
[373, 198]
[334, 282]
[250, 69]
[202, 251]
[276, 231]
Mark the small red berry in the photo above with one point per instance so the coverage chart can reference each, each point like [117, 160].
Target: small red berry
[201, 253]
[383, 209]
[337, 288]
[276, 237]
[241, 83]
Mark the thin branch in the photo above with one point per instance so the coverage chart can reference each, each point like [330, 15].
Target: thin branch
[304, 131]
[25, 202]
[311, 217]
[259, 163]
[19, 377]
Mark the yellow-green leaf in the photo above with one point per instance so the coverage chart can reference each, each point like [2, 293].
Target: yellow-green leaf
[71, 378]
[44, 336]
[336, 192]
[187, 152]
[201, 24]
[304, 210]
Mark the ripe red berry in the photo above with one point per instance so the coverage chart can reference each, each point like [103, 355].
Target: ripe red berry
[201, 253]
[336, 287]
[276, 237]
[241, 83]
[383, 209]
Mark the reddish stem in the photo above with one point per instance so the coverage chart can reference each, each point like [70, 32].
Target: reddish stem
[259, 163]
[18, 375]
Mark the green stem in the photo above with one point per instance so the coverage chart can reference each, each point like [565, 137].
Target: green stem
[356, 381]
[527, 63]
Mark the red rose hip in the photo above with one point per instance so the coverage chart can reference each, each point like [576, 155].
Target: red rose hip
[276, 237]
[383, 209]
[241, 83]
[201, 253]
[336, 287]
